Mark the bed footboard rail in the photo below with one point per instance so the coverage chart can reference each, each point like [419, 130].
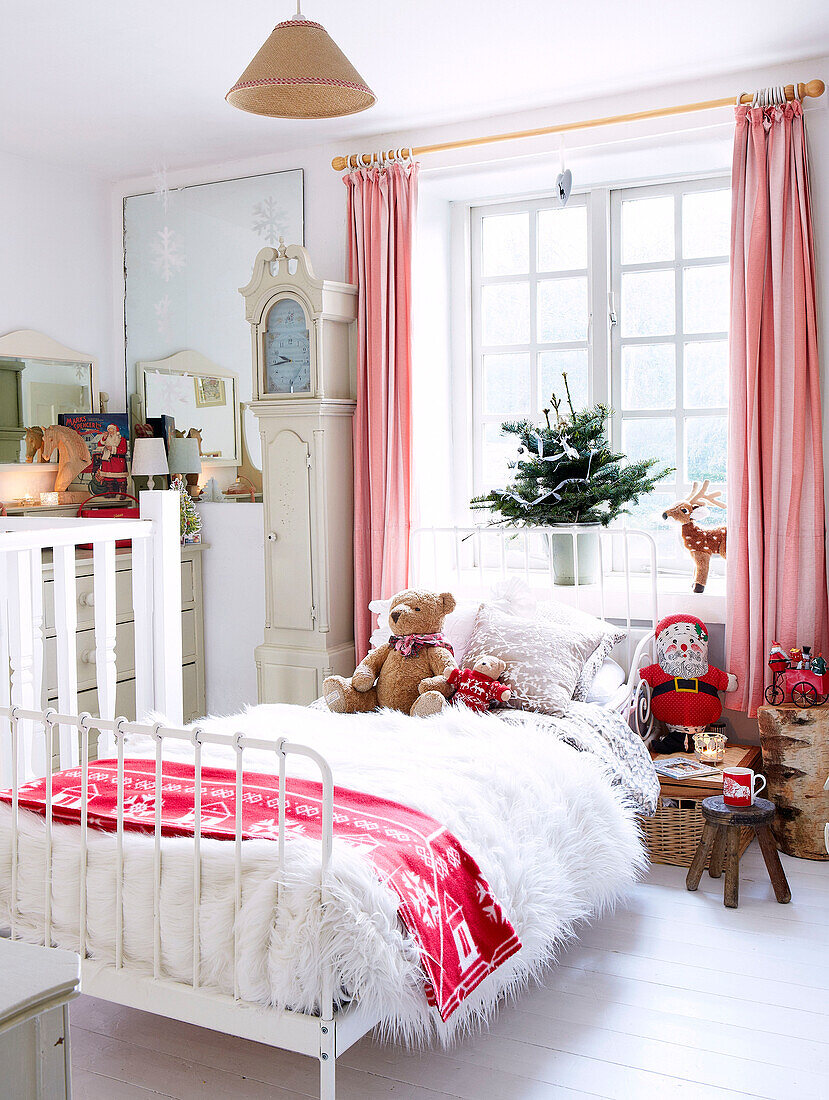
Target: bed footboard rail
[21, 722]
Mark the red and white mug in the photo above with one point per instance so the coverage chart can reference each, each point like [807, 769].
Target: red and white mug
[739, 786]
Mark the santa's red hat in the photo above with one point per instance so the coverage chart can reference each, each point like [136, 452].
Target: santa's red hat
[692, 620]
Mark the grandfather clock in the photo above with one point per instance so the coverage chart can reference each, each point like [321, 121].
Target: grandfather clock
[303, 383]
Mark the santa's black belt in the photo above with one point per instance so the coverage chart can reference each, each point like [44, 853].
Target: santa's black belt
[681, 684]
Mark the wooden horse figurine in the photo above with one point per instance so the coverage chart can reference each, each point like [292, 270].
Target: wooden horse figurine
[700, 542]
[73, 454]
[34, 444]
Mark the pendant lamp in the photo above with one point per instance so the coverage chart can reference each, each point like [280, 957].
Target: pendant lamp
[300, 72]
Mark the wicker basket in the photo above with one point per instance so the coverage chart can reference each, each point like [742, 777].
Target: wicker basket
[673, 833]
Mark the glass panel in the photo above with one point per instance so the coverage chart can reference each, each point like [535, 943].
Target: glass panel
[649, 376]
[650, 437]
[706, 298]
[562, 239]
[505, 313]
[706, 224]
[705, 374]
[498, 450]
[562, 310]
[646, 515]
[648, 303]
[550, 366]
[507, 384]
[648, 230]
[706, 445]
[505, 244]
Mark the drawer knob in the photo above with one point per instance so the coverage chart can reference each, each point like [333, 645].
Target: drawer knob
[86, 599]
[271, 536]
[88, 658]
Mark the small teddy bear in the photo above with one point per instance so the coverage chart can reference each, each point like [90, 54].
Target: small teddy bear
[480, 686]
[409, 671]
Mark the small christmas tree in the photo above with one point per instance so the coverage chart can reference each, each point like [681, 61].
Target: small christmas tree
[190, 518]
[566, 471]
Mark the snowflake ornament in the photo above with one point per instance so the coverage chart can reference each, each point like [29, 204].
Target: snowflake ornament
[269, 219]
[168, 257]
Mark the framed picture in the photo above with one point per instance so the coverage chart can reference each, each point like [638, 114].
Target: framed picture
[210, 391]
[107, 436]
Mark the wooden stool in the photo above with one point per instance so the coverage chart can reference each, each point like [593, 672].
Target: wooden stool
[721, 839]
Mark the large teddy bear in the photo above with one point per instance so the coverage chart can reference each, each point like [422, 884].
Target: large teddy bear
[408, 672]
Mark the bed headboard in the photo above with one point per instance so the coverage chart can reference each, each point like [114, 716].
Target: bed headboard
[609, 572]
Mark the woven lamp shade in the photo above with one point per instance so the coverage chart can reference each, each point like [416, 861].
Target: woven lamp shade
[300, 72]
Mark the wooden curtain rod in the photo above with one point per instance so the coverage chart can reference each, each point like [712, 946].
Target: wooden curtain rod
[813, 89]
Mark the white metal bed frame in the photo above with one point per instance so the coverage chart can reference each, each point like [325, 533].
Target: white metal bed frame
[27, 737]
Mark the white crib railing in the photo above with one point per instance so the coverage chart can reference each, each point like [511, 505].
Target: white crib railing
[156, 600]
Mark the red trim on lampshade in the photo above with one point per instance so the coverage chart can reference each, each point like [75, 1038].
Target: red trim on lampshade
[299, 23]
[268, 80]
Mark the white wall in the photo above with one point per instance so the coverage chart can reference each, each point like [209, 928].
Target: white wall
[56, 261]
[631, 153]
[55, 264]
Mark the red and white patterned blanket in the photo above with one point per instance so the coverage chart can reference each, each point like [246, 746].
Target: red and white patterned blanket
[445, 903]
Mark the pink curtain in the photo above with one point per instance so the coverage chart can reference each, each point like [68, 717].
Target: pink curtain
[382, 207]
[776, 551]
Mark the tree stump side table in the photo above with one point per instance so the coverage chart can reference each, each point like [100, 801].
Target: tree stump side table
[720, 840]
[795, 744]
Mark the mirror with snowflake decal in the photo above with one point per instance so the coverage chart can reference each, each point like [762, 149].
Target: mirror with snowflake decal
[187, 250]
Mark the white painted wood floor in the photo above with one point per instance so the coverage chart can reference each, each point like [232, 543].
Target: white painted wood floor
[674, 995]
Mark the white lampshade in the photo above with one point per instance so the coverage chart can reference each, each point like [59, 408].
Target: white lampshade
[184, 457]
[149, 457]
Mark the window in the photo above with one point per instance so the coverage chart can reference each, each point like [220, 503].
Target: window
[627, 291]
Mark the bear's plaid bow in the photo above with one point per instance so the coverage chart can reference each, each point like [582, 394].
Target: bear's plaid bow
[413, 643]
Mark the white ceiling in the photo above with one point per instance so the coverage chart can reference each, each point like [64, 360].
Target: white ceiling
[121, 86]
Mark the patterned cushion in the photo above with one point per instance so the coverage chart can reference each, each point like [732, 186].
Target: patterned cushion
[544, 658]
[589, 626]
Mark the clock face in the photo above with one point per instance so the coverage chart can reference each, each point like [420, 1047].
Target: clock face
[287, 349]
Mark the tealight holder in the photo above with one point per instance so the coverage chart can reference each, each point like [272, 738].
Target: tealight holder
[709, 747]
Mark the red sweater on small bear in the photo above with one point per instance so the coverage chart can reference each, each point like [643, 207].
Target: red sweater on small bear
[474, 689]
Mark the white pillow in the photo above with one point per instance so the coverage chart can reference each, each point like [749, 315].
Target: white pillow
[513, 596]
[609, 679]
[607, 636]
[544, 659]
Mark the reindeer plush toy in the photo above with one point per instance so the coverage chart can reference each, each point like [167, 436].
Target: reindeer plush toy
[700, 542]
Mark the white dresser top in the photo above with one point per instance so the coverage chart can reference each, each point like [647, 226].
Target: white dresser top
[33, 979]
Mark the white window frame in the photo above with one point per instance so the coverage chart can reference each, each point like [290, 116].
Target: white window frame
[603, 205]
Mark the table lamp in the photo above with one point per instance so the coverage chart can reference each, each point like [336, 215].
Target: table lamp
[149, 459]
[184, 458]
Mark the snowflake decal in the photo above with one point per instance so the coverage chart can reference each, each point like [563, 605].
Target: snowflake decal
[269, 219]
[163, 308]
[168, 257]
[422, 898]
[160, 187]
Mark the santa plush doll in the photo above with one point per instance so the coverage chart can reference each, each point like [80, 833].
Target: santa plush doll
[684, 687]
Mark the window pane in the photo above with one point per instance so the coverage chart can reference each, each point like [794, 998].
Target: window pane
[648, 303]
[507, 384]
[648, 230]
[505, 313]
[706, 442]
[550, 367]
[650, 437]
[706, 224]
[706, 374]
[562, 239]
[505, 244]
[562, 310]
[649, 376]
[706, 298]
[647, 516]
[498, 450]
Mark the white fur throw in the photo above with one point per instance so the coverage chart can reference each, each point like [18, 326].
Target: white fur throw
[556, 841]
